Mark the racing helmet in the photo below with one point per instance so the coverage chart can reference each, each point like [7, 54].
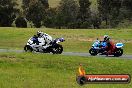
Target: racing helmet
[62, 39]
[39, 33]
[106, 37]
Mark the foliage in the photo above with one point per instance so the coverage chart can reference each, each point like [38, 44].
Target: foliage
[8, 12]
[84, 10]
[96, 21]
[114, 11]
[109, 11]
[67, 12]
[84, 15]
[34, 11]
[50, 18]
[21, 22]
[70, 14]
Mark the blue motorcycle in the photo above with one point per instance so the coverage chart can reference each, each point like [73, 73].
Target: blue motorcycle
[98, 47]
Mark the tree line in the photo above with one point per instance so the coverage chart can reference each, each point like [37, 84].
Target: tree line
[68, 14]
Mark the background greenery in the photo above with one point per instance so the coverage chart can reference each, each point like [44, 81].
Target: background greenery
[66, 13]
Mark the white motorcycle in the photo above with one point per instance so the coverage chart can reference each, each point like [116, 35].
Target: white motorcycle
[54, 47]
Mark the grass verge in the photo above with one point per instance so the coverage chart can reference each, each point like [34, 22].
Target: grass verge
[27, 70]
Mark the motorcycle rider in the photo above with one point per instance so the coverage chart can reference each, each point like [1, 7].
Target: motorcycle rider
[97, 43]
[110, 46]
[35, 39]
[45, 39]
[36, 42]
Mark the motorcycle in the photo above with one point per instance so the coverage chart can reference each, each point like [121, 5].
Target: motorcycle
[99, 48]
[54, 47]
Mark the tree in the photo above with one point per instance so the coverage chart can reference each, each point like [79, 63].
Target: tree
[8, 12]
[21, 22]
[127, 4]
[96, 22]
[50, 18]
[126, 9]
[34, 11]
[109, 11]
[84, 13]
[45, 3]
[67, 12]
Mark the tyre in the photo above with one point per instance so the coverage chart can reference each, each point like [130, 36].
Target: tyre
[118, 52]
[27, 48]
[57, 49]
[93, 52]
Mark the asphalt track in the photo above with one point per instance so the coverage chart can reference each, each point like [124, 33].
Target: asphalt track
[71, 54]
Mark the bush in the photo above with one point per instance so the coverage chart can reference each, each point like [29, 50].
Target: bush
[21, 22]
[85, 24]
[7, 12]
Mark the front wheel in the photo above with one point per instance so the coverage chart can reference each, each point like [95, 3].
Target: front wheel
[57, 49]
[28, 48]
[118, 52]
[93, 52]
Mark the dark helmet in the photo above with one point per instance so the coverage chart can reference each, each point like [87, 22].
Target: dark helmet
[106, 37]
[39, 33]
[62, 39]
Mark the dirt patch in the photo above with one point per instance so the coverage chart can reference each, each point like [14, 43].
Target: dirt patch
[93, 39]
[87, 40]
[7, 57]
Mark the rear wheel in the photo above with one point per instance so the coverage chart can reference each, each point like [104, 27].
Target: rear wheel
[118, 52]
[93, 52]
[28, 48]
[57, 49]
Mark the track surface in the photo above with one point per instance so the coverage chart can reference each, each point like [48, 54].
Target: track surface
[69, 53]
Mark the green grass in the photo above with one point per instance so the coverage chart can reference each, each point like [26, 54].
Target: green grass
[27, 70]
[76, 40]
